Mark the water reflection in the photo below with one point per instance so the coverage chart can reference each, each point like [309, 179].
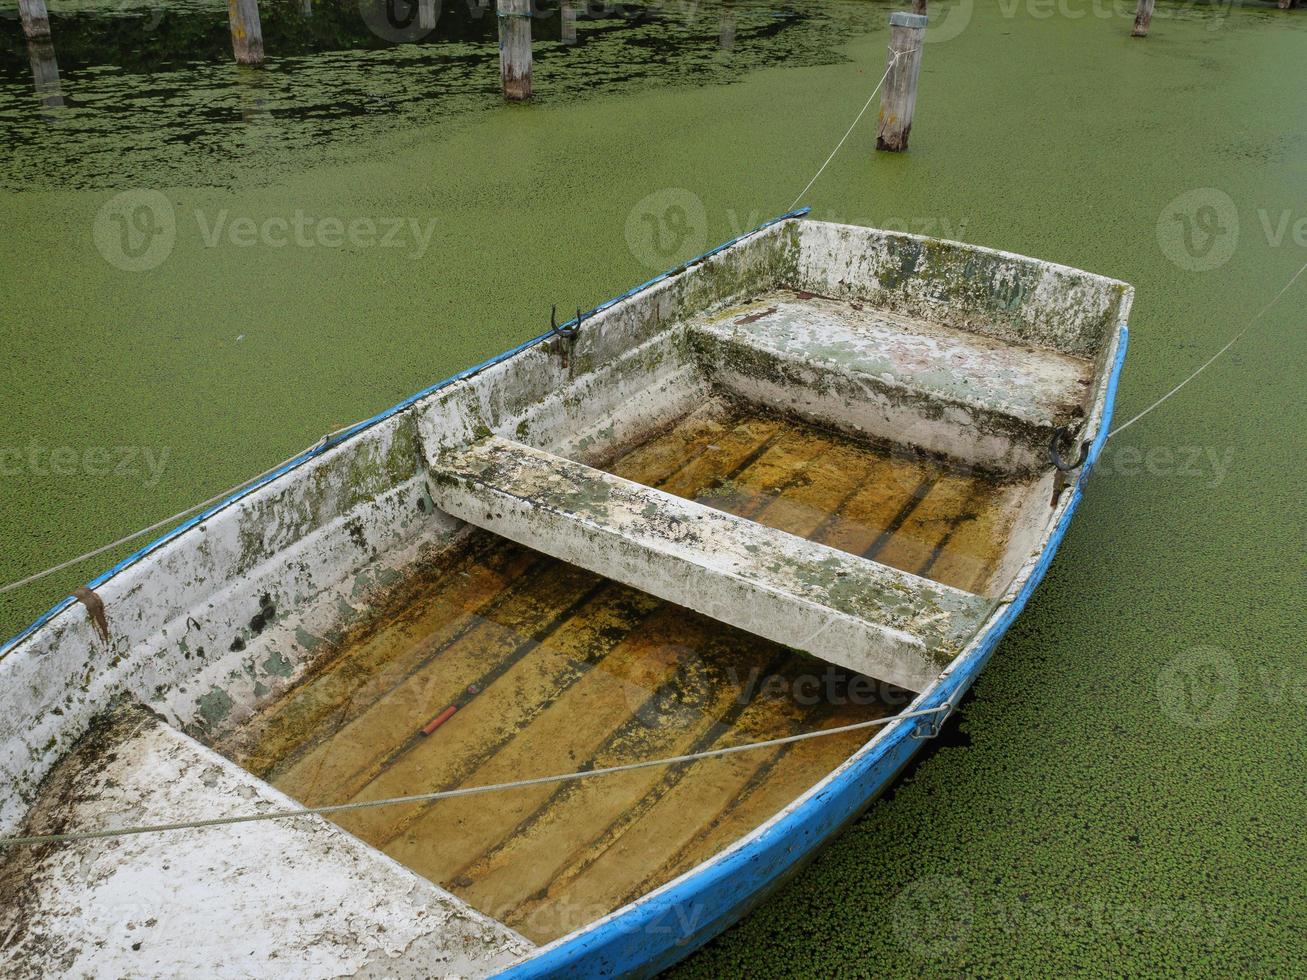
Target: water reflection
[143, 87]
[45, 76]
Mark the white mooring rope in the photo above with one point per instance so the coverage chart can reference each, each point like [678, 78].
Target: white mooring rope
[895, 56]
[36, 577]
[1208, 363]
[566, 777]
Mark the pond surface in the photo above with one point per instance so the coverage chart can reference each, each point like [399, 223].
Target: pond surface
[1126, 790]
[155, 85]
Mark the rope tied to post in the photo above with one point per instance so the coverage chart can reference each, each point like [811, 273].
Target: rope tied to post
[895, 55]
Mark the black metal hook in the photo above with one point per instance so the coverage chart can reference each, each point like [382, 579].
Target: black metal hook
[567, 333]
[1060, 434]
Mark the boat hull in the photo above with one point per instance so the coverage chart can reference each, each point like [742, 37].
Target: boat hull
[348, 518]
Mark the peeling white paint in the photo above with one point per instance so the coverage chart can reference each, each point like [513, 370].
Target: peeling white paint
[278, 898]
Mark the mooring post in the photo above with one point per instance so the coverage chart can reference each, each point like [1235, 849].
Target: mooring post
[898, 99]
[246, 31]
[36, 22]
[568, 13]
[427, 15]
[515, 49]
[1143, 17]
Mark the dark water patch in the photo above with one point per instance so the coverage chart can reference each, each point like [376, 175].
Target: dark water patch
[155, 92]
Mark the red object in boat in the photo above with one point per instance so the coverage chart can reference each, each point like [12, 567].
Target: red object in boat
[440, 719]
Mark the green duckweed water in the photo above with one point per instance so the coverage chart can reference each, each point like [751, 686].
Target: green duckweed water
[1125, 791]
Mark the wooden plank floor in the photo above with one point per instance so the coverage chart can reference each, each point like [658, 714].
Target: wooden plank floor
[552, 670]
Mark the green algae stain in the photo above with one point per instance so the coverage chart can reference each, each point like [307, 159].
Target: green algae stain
[278, 665]
[215, 706]
[306, 640]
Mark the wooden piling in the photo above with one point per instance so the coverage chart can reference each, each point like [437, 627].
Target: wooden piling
[36, 22]
[898, 99]
[515, 49]
[246, 31]
[306, 8]
[568, 13]
[1143, 17]
[427, 15]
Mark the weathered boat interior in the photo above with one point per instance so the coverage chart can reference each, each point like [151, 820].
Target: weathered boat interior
[775, 491]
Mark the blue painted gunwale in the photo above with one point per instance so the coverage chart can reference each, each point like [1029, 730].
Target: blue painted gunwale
[315, 451]
[666, 925]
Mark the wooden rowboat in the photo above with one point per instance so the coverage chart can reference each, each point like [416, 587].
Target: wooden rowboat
[800, 485]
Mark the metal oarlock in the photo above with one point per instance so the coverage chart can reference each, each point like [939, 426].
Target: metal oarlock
[566, 332]
[1060, 435]
[566, 335]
